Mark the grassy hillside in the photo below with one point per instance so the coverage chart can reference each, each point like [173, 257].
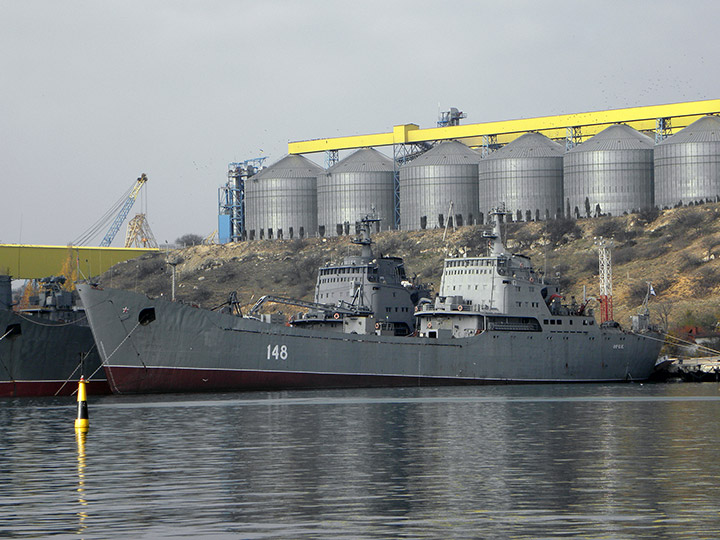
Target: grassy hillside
[677, 250]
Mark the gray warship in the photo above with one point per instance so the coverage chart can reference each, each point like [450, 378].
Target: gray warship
[46, 347]
[494, 320]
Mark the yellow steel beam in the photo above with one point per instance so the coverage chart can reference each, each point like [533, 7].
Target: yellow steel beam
[398, 136]
[588, 131]
[640, 118]
[32, 262]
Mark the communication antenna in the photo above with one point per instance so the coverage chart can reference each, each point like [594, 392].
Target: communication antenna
[447, 221]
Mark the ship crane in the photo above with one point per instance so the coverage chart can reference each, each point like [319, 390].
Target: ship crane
[120, 210]
[326, 308]
[124, 211]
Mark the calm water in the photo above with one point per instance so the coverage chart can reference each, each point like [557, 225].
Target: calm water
[581, 461]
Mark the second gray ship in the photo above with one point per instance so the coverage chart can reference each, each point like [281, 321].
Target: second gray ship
[47, 346]
[494, 320]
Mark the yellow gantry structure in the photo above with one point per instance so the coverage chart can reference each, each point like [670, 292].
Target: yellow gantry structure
[579, 126]
[24, 261]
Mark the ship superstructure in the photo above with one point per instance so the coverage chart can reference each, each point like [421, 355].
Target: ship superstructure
[499, 291]
[364, 293]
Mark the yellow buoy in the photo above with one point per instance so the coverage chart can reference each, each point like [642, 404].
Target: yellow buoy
[81, 422]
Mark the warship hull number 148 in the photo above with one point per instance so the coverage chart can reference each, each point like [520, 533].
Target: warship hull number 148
[494, 320]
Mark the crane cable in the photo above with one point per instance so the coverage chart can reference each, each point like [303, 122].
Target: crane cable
[102, 223]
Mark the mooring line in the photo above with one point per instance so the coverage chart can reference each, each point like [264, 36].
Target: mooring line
[70, 377]
[30, 320]
[698, 345]
[103, 362]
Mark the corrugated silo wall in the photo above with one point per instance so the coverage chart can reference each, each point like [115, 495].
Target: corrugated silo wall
[608, 176]
[429, 185]
[526, 175]
[351, 190]
[282, 202]
[687, 165]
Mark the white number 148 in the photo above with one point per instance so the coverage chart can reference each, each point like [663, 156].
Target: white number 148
[277, 352]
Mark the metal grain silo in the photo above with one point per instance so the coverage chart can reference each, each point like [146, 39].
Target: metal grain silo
[281, 200]
[527, 175]
[351, 188]
[612, 170]
[687, 165]
[440, 185]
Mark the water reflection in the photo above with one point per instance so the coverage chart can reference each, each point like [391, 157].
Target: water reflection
[80, 437]
[496, 462]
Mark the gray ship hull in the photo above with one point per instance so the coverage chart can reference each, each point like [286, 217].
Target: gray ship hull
[185, 349]
[43, 358]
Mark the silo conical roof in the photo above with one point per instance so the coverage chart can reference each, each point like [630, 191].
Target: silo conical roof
[706, 129]
[615, 137]
[291, 166]
[447, 153]
[529, 145]
[363, 160]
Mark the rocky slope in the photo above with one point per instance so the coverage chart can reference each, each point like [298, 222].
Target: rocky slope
[676, 250]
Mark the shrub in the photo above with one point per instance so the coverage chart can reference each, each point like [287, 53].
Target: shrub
[148, 267]
[197, 294]
[608, 228]
[389, 245]
[295, 245]
[689, 220]
[588, 263]
[637, 292]
[189, 240]
[524, 238]
[225, 275]
[557, 230]
[690, 261]
[614, 228]
[651, 249]
[624, 255]
[708, 277]
[648, 215]
[473, 236]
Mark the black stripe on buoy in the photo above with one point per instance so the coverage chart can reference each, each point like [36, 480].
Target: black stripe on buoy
[82, 421]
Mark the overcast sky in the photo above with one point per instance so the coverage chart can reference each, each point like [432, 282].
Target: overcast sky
[96, 92]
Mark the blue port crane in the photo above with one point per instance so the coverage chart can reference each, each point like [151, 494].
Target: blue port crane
[124, 211]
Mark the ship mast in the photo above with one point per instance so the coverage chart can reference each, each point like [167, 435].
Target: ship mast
[364, 240]
[496, 245]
